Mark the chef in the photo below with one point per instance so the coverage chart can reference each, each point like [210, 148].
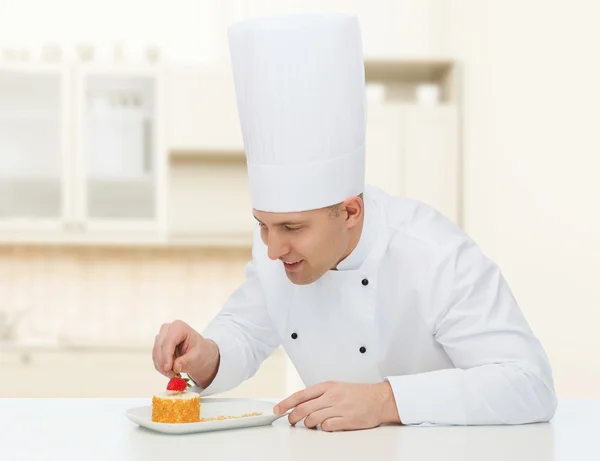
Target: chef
[388, 311]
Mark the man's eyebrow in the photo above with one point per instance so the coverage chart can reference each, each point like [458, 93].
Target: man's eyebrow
[283, 223]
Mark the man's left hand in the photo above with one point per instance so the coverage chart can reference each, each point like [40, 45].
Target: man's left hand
[341, 406]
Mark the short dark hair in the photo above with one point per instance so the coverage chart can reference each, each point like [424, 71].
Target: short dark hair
[334, 210]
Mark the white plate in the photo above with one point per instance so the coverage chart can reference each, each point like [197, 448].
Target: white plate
[211, 408]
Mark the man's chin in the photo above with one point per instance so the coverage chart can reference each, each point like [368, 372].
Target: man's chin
[298, 278]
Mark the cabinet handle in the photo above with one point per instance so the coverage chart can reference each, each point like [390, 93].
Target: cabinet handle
[147, 146]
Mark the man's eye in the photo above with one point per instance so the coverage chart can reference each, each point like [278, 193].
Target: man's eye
[292, 229]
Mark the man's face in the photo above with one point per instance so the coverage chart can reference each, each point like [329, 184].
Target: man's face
[308, 243]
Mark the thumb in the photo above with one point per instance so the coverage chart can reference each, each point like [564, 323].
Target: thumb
[180, 364]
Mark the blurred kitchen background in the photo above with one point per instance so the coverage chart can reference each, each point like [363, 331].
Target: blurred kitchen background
[123, 194]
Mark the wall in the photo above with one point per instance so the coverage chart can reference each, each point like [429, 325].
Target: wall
[94, 312]
[113, 296]
[531, 163]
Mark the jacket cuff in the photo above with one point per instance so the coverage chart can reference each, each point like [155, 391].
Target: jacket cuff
[429, 398]
[225, 379]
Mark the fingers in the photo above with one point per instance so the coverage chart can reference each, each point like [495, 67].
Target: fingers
[165, 343]
[300, 397]
[157, 356]
[180, 364]
[308, 408]
[318, 417]
[176, 334]
[333, 424]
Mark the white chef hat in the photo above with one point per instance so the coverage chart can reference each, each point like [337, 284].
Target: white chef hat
[299, 81]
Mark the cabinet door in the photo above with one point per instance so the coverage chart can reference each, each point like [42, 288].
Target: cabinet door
[386, 124]
[412, 151]
[34, 146]
[202, 111]
[389, 28]
[222, 188]
[120, 156]
[431, 158]
[376, 21]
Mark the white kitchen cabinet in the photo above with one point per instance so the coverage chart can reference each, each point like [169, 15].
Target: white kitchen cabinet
[208, 195]
[412, 151]
[34, 146]
[81, 151]
[385, 147]
[120, 153]
[400, 39]
[151, 155]
[431, 160]
[202, 111]
[209, 198]
[389, 28]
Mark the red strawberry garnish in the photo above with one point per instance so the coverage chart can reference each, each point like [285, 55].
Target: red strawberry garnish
[178, 384]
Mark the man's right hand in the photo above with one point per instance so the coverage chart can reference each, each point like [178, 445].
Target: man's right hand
[178, 348]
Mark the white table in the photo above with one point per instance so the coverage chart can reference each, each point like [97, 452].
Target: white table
[96, 429]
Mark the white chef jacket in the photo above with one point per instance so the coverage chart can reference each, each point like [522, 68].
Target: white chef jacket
[416, 303]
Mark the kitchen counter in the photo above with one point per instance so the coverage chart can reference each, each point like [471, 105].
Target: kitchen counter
[97, 429]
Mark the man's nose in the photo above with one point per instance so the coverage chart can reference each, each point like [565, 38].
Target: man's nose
[276, 247]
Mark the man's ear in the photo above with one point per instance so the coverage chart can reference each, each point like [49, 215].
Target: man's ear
[354, 210]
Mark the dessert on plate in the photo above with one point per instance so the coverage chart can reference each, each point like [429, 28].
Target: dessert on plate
[176, 404]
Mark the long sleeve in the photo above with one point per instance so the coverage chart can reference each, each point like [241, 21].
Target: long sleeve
[502, 374]
[244, 334]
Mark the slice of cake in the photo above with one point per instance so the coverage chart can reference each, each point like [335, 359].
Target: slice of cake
[181, 407]
[177, 404]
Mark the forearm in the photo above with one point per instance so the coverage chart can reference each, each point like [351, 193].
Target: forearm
[489, 394]
[239, 355]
